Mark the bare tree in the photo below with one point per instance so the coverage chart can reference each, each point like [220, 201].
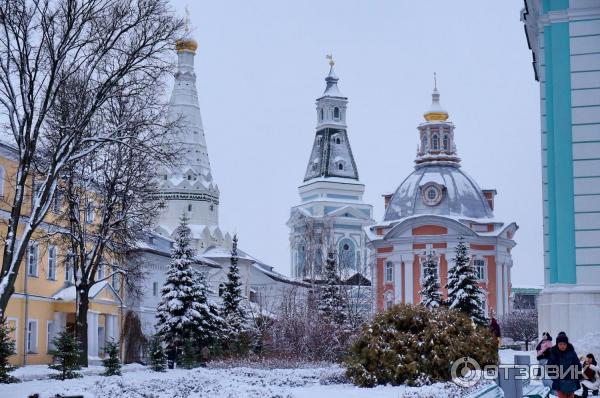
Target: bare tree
[521, 326]
[111, 196]
[313, 237]
[68, 58]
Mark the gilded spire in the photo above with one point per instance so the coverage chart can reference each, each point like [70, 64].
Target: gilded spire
[435, 112]
[186, 43]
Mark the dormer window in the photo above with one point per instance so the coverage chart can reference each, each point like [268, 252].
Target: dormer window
[336, 113]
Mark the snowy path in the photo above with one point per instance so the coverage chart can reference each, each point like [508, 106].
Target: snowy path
[221, 383]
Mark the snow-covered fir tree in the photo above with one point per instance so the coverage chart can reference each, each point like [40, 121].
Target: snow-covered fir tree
[65, 356]
[430, 294]
[157, 357]
[464, 293]
[209, 327]
[112, 365]
[331, 301]
[179, 313]
[7, 348]
[233, 312]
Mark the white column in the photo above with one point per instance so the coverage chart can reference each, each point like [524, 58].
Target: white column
[499, 293]
[505, 287]
[92, 319]
[398, 288]
[408, 280]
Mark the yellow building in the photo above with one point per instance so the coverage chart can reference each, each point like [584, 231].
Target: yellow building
[44, 302]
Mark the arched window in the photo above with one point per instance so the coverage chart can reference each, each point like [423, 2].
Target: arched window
[347, 254]
[435, 142]
[321, 114]
[445, 142]
[389, 271]
[340, 166]
[336, 113]
[338, 140]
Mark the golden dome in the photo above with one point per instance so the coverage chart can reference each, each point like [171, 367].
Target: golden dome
[186, 45]
[436, 116]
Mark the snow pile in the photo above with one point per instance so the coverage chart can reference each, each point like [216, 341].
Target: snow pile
[241, 382]
[590, 343]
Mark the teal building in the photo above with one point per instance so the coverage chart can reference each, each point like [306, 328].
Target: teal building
[564, 37]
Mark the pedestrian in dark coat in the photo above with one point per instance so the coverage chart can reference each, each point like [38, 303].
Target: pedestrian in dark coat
[563, 357]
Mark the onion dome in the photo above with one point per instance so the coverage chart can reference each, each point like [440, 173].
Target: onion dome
[435, 112]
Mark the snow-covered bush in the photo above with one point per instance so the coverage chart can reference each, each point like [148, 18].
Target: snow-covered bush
[416, 345]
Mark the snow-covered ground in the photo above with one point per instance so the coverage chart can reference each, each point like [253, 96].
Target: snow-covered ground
[242, 382]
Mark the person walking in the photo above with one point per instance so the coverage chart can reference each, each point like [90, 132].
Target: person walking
[543, 354]
[591, 376]
[495, 329]
[566, 367]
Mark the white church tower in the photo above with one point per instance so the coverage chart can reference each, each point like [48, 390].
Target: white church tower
[188, 187]
[332, 213]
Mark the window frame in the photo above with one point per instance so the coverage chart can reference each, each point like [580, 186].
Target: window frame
[445, 143]
[36, 254]
[336, 113]
[388, 271]
[483, 269]
[52, 265]
[49, 325]
[28, 346]
[435, 142]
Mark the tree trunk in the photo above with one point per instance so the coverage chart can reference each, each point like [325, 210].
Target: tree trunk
[82, 325]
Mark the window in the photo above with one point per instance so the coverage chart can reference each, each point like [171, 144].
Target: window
[1, 181]
[155, 289]
[423, 143]
[69, 265]
[189, 207]
[89, 213]
[253, 297]
[32, 336]
[115, 277]
[32, 259]
[165, 177]
[49, 336]
[340, 166]
[100, 272]
[52, 262]
[189, 177]
[431, 194]
[336, 113]
[221, 289]
[479, 265]
[338, 140]
[435, 142]
[321, 115]
[347, 254]
[389, 271]
[435, 269]
[445, 142]
[34, 192]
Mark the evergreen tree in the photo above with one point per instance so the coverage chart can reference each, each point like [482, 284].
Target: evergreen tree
[189, 355]
[178, 314]
[65, 356]
[331, 302]
[157, 357]
[233, 314]
[209, 325]
[7, 348]
[464, 293]
[112, 365]
[430, 294]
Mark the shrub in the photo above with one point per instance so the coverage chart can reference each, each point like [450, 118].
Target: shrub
[157, 356]
[415, 345]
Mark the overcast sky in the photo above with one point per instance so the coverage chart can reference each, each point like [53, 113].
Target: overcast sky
[261, 65]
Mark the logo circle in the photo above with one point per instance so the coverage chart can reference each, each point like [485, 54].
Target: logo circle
[465, 372]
